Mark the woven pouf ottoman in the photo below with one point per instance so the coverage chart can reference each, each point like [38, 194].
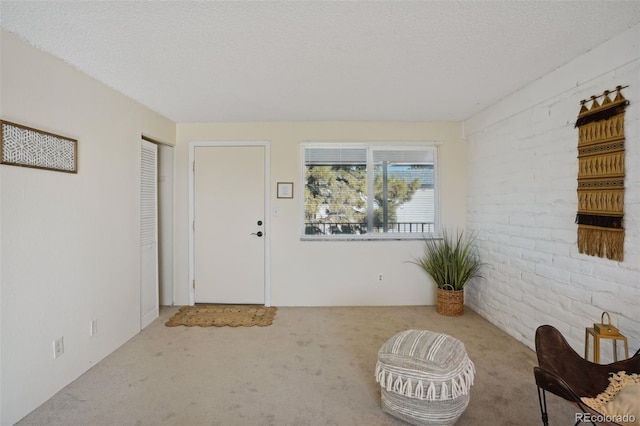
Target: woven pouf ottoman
[424, 377]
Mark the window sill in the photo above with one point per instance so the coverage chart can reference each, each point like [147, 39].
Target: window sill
[364, 238]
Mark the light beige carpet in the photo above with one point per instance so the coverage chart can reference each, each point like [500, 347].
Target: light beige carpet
[223, 315]
[312, 366]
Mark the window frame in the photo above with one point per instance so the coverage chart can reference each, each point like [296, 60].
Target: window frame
[371, 146]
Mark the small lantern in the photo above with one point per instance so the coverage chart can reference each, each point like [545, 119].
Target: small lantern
[605, 328]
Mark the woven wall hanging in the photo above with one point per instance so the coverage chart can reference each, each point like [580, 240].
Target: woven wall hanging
[601, 176]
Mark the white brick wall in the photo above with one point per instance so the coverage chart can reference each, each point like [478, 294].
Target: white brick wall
[522, 171]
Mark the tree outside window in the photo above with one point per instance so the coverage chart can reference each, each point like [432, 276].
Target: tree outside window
[369, 190]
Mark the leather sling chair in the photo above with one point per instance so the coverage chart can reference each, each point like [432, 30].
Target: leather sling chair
[566, 374]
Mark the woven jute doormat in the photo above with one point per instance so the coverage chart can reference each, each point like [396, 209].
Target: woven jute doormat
[223, 315]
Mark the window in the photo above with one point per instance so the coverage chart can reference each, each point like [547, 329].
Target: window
[371, 190]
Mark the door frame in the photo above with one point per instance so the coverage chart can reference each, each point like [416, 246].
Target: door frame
[267, 209]
[166, 185]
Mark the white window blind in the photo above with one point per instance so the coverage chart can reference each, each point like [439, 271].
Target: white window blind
[403, 156]
[335, 156]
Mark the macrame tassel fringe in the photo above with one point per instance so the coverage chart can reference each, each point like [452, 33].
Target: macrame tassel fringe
[469, 375]
[456, 389]
[431, 392]
[379, 374]
[398, 386]
[435, 390]
[601, 242]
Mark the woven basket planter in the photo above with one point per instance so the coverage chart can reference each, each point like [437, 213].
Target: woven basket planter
[450, 302]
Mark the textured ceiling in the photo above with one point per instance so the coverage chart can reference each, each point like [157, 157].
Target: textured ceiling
[218, 61]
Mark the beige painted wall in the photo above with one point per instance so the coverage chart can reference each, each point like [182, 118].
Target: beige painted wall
[321, 273]
[70, 242]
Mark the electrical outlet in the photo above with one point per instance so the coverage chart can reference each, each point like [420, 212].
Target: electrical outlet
[58, 347]
[380, 278]
[93, 330]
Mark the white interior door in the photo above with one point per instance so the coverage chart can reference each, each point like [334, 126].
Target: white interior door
[149, 303]
[229, 230]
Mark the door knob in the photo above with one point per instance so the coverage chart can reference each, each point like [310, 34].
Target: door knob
[259, 233]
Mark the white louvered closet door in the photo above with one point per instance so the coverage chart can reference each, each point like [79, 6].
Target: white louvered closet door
[149, 298]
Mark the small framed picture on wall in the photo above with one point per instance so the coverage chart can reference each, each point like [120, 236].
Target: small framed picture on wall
[285, 189]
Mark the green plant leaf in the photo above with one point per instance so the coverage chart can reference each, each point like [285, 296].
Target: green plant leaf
[451, 261]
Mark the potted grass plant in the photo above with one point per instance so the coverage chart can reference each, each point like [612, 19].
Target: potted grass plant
[451, 261]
